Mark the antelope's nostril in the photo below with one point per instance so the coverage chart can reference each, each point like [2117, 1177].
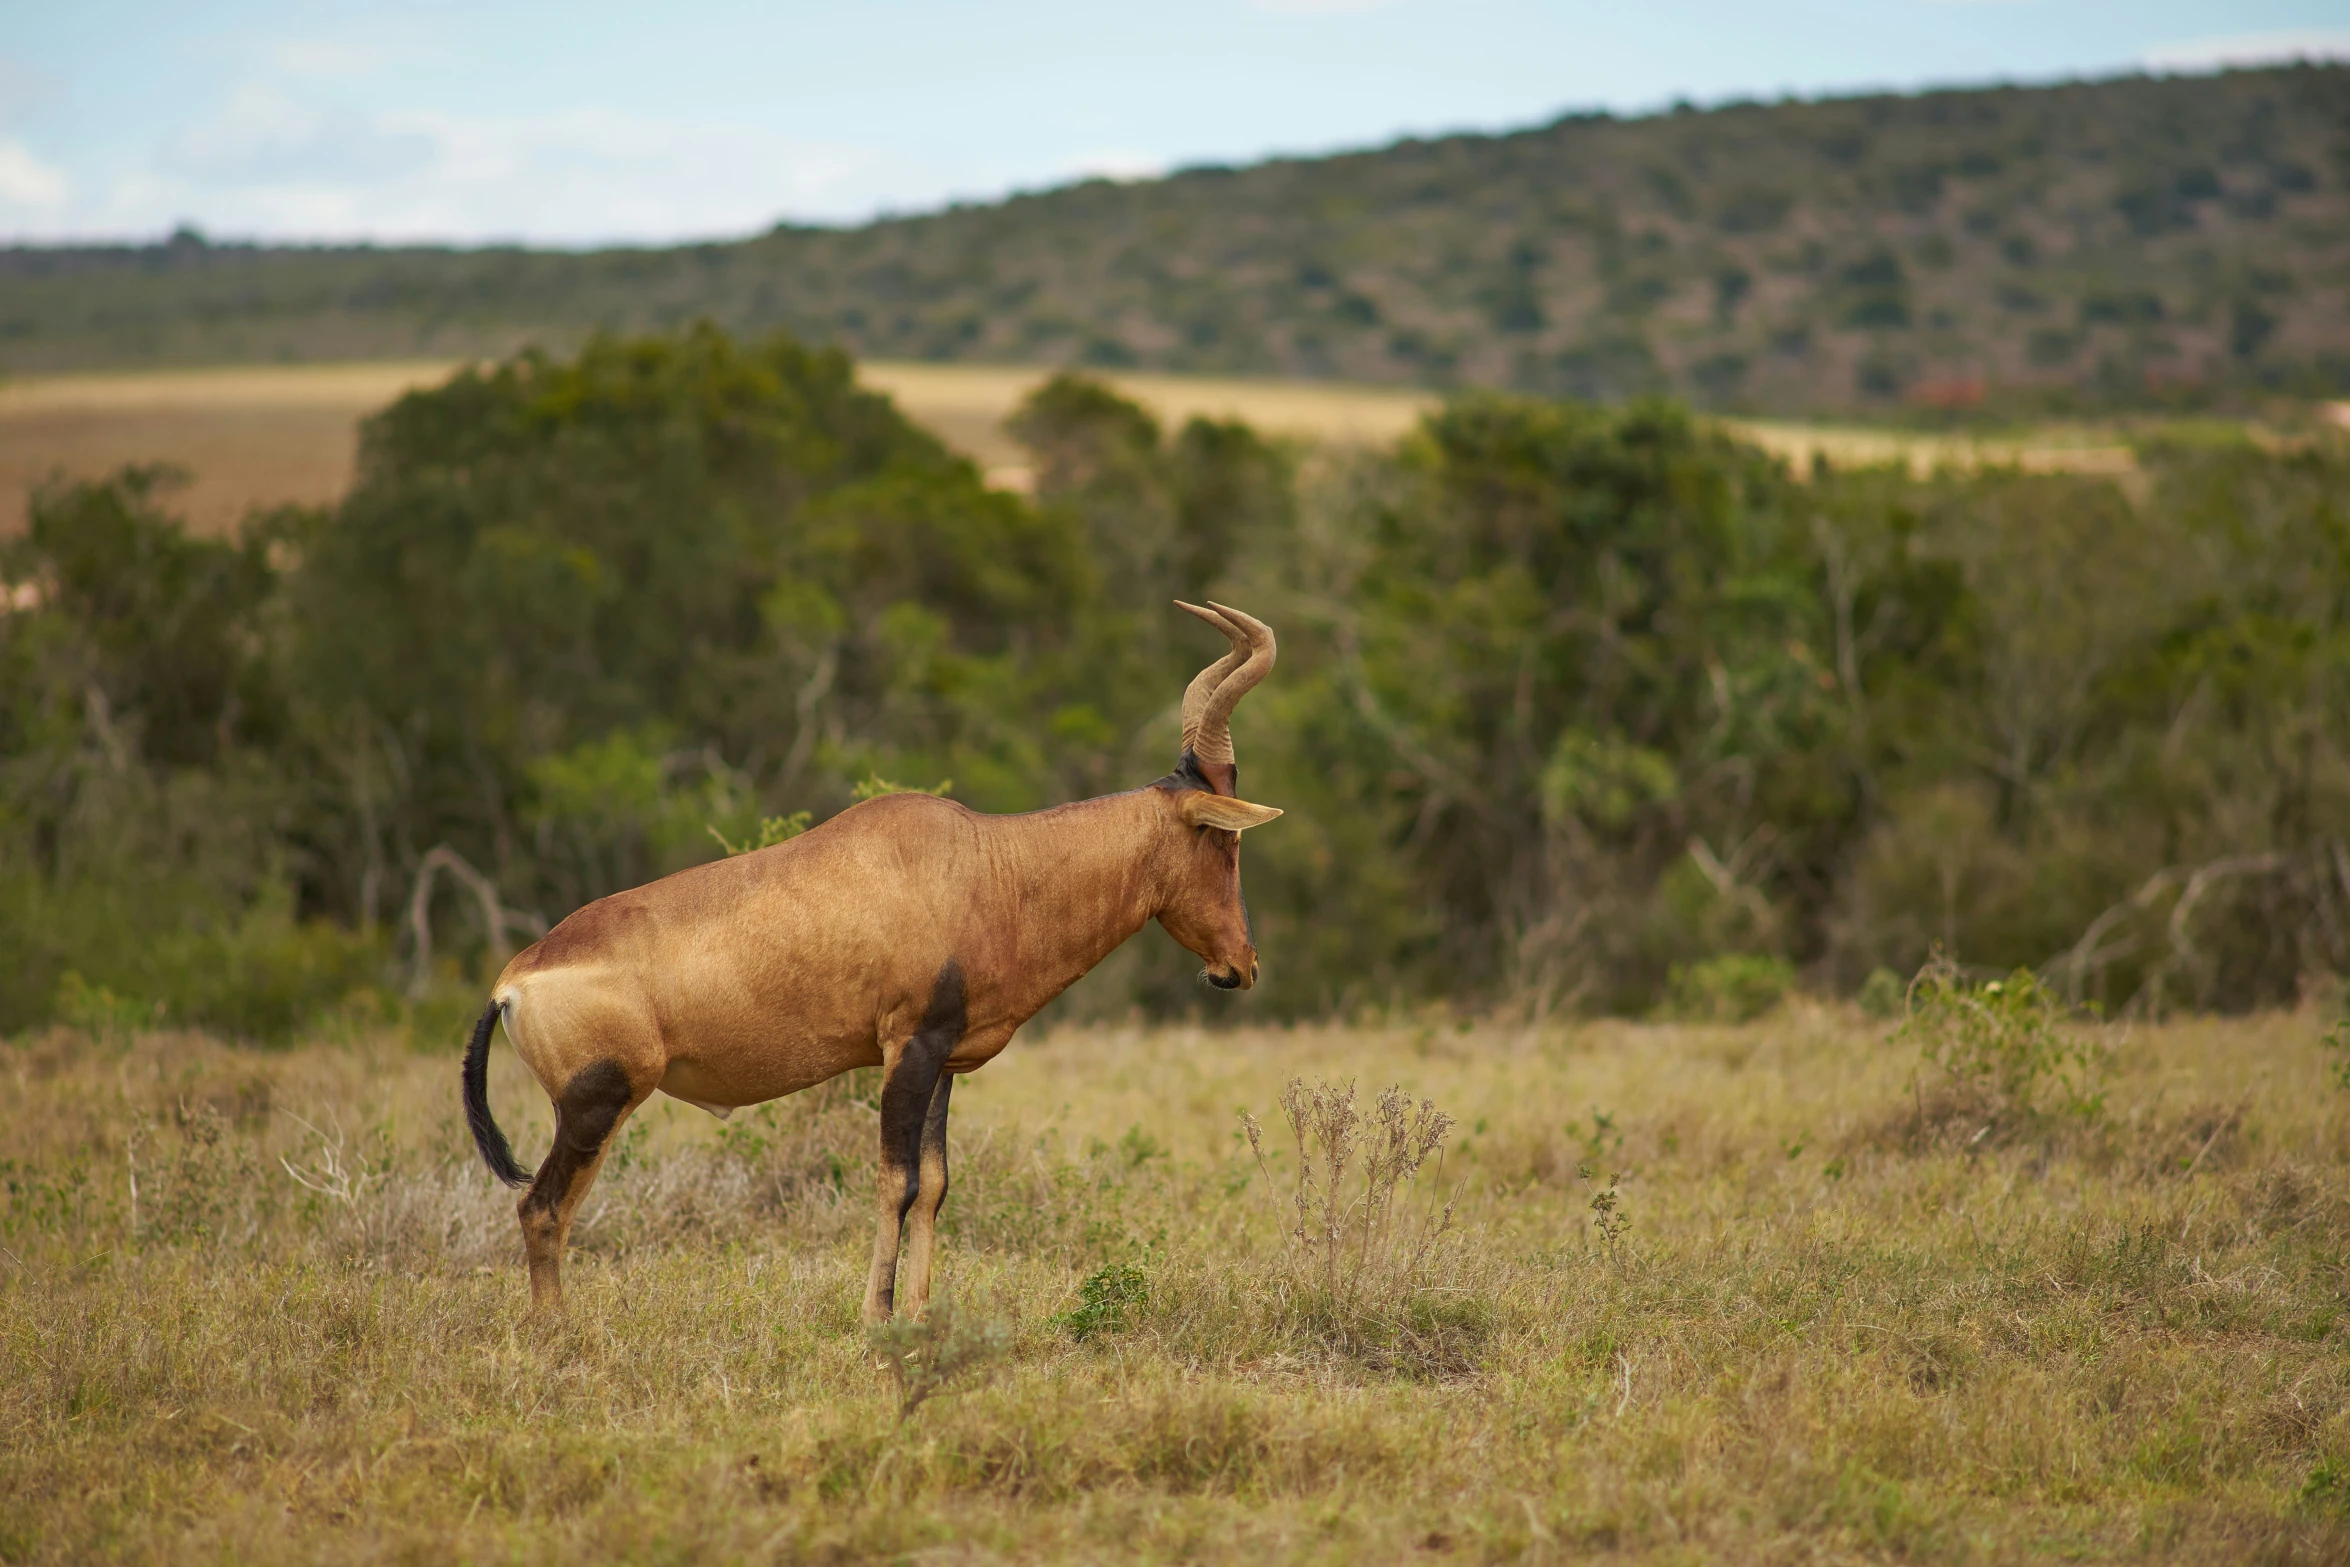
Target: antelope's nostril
[1224, 979]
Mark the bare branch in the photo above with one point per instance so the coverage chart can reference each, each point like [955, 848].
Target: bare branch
[497, 919]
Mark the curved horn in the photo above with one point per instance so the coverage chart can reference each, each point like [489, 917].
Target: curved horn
[1203, 685]
[1213, 743]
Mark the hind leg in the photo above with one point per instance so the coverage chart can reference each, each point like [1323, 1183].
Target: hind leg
[587, 1112]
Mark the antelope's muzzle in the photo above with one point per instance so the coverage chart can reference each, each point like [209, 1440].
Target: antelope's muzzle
[1234, 978]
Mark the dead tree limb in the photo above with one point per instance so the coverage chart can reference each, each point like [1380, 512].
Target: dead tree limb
[2195, 883]
[496, 918]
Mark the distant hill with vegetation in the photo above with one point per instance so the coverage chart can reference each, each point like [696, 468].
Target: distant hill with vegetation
[2171, 242]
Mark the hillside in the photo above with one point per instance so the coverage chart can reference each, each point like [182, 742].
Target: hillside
[2096, 245]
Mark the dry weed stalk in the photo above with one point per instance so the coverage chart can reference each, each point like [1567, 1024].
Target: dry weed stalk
[1365, 1248]
[331, 1172]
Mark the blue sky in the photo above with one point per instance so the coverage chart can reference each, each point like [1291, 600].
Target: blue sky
[588, 122]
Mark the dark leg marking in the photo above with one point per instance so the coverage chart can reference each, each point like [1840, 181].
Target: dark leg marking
[585, 1113]
[906, 1096]
[934, 1133]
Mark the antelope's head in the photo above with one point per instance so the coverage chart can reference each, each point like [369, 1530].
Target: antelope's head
[1203, 907]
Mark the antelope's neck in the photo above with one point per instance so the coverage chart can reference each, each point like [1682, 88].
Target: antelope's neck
[1086, 876]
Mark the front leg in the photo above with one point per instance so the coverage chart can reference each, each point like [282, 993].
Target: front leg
[912, 1074]
[921, 1229]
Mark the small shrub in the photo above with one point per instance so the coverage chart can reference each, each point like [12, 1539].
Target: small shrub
[1733, 988]
[1366, 1243]
[872, 786]
[1882, 995]
[346, 1185]
[1609, 1221]
[268, 975]
[2328, 1487]
[926, 1355]
[2000, 1047]
[2336, 1044]
[262, 976]
[1106, 1302]
[1603, 1140]
[772, 831]
[1364, 1264]
[98, 1012]
[187, 1174]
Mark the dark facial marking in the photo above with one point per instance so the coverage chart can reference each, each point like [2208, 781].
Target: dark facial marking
[1185, 776]
[585, 1113]
[1192, 773]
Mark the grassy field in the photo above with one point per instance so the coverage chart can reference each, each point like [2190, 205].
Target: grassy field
[1827, 1317]
[263, 435]
[257, 436]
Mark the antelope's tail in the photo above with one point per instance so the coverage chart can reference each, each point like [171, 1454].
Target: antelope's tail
[494, 1149]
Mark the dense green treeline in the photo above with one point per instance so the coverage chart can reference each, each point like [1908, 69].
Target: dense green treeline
[2104, 245]
[1577, 707]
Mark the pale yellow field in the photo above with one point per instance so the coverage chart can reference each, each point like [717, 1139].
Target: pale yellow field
[261, 435]
[967, 404]
[252, 436]
[2059, 449]
[265, 1306]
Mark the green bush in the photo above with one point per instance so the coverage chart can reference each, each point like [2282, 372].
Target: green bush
[99, 1012]
[1733, 988]
[1882, 995]
[1106, 1302]
[1578, 707]
[2002, 1046]
[267, 976]
[2336, 1044]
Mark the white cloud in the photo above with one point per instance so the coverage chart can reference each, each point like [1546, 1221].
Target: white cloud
[1116, 163]
[26, 183]
[362, 46]
[262, 137]
[2212, 54]
[591, 174]
[273, 164]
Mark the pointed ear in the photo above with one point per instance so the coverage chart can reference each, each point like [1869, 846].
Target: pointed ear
[1202, 809]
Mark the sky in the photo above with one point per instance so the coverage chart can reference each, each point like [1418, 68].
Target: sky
[588, 123]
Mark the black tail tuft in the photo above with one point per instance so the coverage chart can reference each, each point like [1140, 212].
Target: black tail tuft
[494, 1151]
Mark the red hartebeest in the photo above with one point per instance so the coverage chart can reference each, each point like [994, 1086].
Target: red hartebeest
[908, 933]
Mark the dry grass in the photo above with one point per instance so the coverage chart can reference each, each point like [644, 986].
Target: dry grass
[251, 436]
[262, 435]
[2058, 448]
[1831, 1332]
[966, 405]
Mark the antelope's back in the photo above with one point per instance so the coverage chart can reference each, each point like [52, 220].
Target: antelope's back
[816, 939]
